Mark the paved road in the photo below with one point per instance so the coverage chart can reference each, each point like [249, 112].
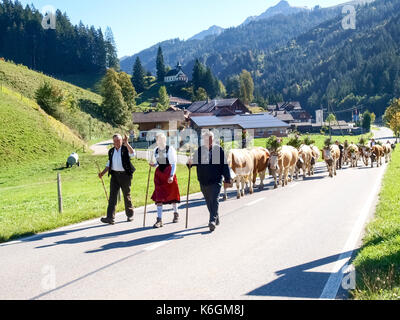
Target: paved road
[289, 243]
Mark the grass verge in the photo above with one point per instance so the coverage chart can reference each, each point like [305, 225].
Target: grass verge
[378, 262]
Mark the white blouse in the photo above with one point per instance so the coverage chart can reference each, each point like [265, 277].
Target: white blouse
[172, 158]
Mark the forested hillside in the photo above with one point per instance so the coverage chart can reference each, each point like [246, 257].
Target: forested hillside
[68, 49]
[218, 51]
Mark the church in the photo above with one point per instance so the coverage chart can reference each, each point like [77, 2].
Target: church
[176, 75]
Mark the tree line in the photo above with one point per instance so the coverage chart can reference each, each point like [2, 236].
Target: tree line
[66, 50]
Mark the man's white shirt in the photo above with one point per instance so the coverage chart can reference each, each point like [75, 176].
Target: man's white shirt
[117, 160]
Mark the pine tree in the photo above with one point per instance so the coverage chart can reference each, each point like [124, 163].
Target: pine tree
[138, 79]
[160, 66]
[112, 60]
[163, 99]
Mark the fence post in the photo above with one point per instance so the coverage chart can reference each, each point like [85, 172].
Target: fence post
[60, 205]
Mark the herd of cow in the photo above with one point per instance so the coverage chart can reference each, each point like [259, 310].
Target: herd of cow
[287, 162]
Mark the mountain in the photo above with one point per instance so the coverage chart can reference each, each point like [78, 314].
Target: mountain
[331, 66]
[283, 7]
[212, 31]
[218, 50]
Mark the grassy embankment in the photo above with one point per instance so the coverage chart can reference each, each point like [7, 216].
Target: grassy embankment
[378, 261]
[85, 121]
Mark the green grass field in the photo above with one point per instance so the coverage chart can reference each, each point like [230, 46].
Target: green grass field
[378, 262]
[28, 194]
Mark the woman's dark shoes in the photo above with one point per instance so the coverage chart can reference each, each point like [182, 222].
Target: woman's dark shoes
[107, 221]
[212, 226]
[176, 217]
[158, 224]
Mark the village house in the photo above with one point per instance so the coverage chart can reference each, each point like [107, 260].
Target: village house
[293, 108]
[263, 124]
[167, 120]
[217, 106]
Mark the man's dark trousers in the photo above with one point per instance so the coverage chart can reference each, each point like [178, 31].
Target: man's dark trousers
[120, 181]
[211, 195]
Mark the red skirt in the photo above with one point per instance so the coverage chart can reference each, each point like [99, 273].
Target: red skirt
[164, 192]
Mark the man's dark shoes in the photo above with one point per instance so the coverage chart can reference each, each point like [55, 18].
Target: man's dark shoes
[107, 221]
[176, 218]
[212, 226]
[158, 224]
[129, 219]
[217, 221]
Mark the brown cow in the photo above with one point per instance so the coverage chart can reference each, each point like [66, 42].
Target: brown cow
[387, 150]
[261, 158]
[283, 161]
[305, 158]
[353, 154]
[331, 155]
[365, 153]
[376, 155]
[242, 163]
[315, 158]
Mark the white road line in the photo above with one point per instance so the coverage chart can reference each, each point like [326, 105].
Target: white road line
[335, 280]
[254, 202]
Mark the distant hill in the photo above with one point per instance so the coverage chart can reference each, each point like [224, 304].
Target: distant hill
[212, 31]
[283, 7]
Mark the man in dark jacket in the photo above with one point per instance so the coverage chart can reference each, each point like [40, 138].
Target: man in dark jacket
[211, 167]
[121, 170]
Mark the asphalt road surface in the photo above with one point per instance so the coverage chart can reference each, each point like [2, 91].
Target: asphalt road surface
[289, 243]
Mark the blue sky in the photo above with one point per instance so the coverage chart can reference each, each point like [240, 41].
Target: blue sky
[139, 24]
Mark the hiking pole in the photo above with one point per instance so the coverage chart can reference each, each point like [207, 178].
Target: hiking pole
[102, 181]
[147, 194]
[187, 198]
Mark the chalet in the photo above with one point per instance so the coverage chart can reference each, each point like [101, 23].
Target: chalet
[176, 75]
[283, 116]
[263, 124]
[293, 108]
[214, 107]
[167, 120]
[179, 102]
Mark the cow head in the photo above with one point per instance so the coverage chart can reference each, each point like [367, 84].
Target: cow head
[273, 161]
[327, 153]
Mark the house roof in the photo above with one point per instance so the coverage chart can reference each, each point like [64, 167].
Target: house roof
[246, 121]
[282, 115]
[148, 117]
[211, 105]
[178, 101]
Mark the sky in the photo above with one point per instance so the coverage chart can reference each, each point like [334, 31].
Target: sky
[139, 24]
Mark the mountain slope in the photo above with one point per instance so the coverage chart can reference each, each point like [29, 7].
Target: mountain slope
[348, 68]
[212, 31]
[25, 81]
[28, 134]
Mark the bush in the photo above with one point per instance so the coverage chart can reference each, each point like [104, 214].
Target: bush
[50, 98]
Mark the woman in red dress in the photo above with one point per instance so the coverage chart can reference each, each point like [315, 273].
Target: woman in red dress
[166, 190]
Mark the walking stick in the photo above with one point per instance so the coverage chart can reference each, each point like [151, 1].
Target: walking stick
[104, 186]
[147, 193]
[187, 198]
